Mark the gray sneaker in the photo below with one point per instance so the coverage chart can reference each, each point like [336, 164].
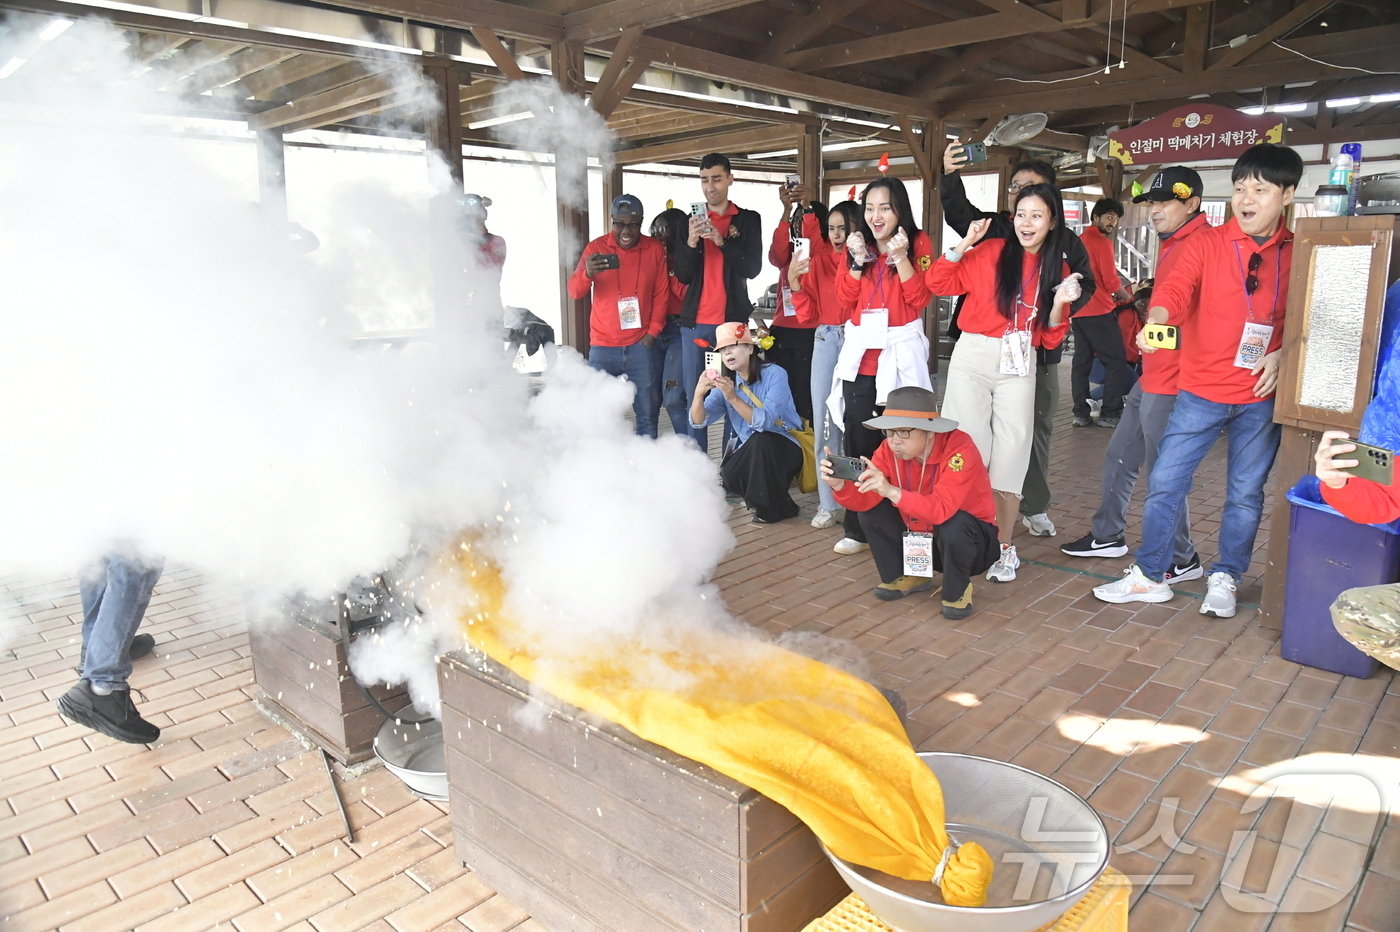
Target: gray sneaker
[1004, 569]
[1220, 596]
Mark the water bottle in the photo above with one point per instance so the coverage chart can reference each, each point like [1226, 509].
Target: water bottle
[1353, 149]
[1343, 171]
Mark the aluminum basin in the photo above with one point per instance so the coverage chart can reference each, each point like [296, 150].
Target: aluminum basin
[416, 755]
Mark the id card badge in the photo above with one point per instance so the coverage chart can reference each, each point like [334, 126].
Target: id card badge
[1254, 344]
[789, 309]
[918, 553]
[629, 313]
[874, 325]
[1016, 353]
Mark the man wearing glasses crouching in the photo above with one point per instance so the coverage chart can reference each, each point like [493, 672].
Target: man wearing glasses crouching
[924, 501]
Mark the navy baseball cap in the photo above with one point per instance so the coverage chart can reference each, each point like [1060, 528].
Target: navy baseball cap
[1173, 183]
[626, 205]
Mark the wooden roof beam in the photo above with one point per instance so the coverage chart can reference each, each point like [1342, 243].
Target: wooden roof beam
[778, 80]
[607, 19]
[799, 30]
[492, 45]
[1278, 28]
[761, 137]
[339, 100]
[262, 84]
[1000, 25]
[247, 62]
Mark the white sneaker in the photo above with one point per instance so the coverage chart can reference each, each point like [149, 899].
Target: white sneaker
[1095, 406]
[1220, 596]
[823, 518]
[1133, 587]
[1004, 570]
[849, 545]
[1040, 525]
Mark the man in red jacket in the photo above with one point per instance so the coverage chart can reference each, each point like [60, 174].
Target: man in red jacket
[1227, 294]
[1095, 325]
[1365, 616]
[925, 502]
[627, 274]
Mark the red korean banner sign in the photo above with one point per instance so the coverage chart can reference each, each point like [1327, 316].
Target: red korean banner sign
[1193, 133]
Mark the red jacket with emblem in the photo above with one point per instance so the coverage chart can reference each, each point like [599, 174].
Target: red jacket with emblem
[954, 479]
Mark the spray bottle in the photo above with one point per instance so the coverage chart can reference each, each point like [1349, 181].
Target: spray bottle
[1353, 149]
[1343, 171]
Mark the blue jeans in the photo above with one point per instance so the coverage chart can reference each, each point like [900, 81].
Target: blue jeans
[826, 346]
[115, 592]
[1252, 438]
[667, 389]
[692, 364]
[634, 362]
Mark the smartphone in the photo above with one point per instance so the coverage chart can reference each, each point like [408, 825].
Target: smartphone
[847, 467]
[1162, 336]
[713, 364]
[610, 260]
[1374, 463]
[801, 249]
[975, 151]
[793, 181]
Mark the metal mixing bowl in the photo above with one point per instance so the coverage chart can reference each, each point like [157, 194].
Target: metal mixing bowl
[1048, 844]
[416, 755]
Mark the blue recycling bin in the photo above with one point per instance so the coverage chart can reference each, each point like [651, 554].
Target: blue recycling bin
[1327, 554]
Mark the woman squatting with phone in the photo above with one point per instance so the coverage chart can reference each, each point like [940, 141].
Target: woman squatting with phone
[882, 295]
[756, 399]
[1018, 294]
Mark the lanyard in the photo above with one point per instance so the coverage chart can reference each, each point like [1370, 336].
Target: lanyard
[879, 282]
[899, 478]
[636, 273]
[1014, 323]
[1244, 279]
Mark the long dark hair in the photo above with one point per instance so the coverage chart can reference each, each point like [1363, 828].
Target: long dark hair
[852, 213]
[899, 199]
[1051, 252]
[672, 220]
[813, 207]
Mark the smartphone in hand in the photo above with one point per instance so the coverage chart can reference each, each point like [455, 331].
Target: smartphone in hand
[713, 364]
[1372, 462]
[847, 467]
[610, 260]
[801, 249]
[1162, 336]
[975, 151]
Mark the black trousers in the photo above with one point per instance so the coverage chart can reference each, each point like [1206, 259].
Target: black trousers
[1098, 336]
[963, 546]
[1035, 490]
[859, 440]
[792, 349]
[761, 470]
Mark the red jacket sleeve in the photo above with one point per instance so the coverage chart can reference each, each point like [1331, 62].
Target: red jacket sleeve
[853, 500]
[847, 291]
[780, 251]
[1364, 501]
[806, 302]
[579, 282]
[916, 290]
[946, 277]
[661, 291]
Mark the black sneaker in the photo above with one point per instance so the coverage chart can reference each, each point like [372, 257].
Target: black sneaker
[113, 715]
[1183, 572]
[1081, 420]
[1108, 422]
[141, 646]
[1088, 546]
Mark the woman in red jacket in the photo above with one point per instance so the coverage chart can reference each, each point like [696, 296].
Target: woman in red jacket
[1018, 295]
[812, 282]
[883, 295]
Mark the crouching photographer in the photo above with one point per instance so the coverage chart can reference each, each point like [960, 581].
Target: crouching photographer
[924, 501]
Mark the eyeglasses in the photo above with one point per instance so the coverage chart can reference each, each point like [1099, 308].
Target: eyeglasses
[901, 432]
[1013, 187]
[1252, 282]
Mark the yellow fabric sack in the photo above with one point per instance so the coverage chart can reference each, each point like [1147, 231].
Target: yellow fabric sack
[821, 742]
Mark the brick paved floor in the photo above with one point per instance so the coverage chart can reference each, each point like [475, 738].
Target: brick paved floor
[1164, 720]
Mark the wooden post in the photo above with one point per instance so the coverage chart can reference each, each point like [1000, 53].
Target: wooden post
[272, 178]
[444, 129]
[809, 161]
[613, 185]
[566, 60]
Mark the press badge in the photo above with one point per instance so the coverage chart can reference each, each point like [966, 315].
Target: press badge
[1016, 353]
[629, 313]
[789, 309]
[874, 324]
[918, 553]
[1254, 344]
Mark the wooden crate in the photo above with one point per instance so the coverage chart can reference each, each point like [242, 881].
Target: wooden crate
[588, 827]
[301, 669]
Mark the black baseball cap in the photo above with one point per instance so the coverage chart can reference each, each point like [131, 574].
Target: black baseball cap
[1173, 183]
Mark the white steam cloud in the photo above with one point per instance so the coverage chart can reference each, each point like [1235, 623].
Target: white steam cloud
[172, 373]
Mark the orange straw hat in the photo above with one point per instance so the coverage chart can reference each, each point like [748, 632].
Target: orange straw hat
[730, 334]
